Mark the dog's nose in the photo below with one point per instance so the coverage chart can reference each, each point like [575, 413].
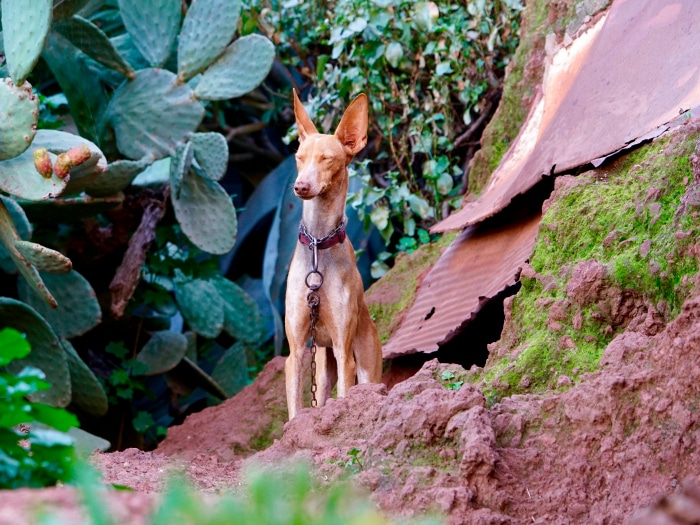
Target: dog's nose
[301, 188]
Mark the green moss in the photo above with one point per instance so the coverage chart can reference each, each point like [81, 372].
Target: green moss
[637, 197]
[396, 291]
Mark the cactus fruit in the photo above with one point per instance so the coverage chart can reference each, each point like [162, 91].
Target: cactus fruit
[208, 28]
[25, 25]
[47, 353]
[162, 352]
[153, 25]
[200, 305]
[242, 317]
[205, 213]
[79, 155]
[62, 166]
[242, 67]
[92, 41]
[87, 392]
[231, 371]
[152, 114]
[211, 153]
[19, 113]
[78, 310]
[42, 162]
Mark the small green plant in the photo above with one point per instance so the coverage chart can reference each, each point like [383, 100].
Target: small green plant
[34, 450]
[449, 377]
[287, 497]
[353, 464]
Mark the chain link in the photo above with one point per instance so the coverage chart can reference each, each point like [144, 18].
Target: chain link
[313, 301]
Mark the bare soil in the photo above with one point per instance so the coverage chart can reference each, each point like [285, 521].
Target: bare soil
[619, 447]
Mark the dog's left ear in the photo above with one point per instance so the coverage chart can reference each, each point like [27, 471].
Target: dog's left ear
[352, 130]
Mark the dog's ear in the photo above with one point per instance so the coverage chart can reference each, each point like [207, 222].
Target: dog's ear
[304, 124]
[352, 130]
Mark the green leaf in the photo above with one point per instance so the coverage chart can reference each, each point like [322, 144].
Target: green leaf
[13, 345]
[19, 114]
[393, 54]
[201, 306]
[211, 153]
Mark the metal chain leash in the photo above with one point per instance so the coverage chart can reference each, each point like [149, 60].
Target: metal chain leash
[313, 301]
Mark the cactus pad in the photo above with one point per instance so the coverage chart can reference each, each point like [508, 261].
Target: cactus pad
[67, 8]
[205, 213]
[8, 237]
[163, 352]
[208, 28]
[19, 220]
[180, 164]
[153, 25]
[43, 258]
[242, 316]
[87, 392]
[25, 25]
[19, 113]
[152, 114]
[231, 372]
[118, 176]
[78, 310]
[47, 353]
[211, 153]
[200, 305]
[242, 67]
[92, 41]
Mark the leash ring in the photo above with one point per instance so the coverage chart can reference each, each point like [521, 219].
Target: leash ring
[315, 286]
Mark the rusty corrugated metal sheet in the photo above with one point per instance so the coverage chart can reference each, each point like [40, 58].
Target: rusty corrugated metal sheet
[624, 78]
[481, 262]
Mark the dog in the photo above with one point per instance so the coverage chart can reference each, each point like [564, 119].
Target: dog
[346, 338]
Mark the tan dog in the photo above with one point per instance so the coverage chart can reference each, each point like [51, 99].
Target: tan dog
[344, 326]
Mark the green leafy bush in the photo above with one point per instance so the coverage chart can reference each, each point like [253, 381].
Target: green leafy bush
[433, 72]
[42, 455]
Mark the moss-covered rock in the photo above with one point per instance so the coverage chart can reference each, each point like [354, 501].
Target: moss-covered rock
[616, 251]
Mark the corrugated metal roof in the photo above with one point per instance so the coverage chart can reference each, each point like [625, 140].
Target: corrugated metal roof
[624, 78]
[481, 262]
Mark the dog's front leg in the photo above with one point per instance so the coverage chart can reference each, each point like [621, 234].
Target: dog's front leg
[293, 372]
[326, 374]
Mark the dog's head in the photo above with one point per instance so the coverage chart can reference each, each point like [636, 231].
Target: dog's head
[321, 158]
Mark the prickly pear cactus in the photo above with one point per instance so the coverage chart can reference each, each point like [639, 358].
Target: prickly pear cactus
[163, 352]
[208, 28]
[200, 305]
[86, 390]
[47, 353]
[19, 113]
[242, 317]
[153, 25]
[78, 310]
[25, 25]
[231, 371]
[211, 154]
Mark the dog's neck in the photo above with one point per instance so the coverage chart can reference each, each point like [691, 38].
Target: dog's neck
[325, 212]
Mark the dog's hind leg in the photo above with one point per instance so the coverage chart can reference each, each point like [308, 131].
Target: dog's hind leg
[368, 356]
[326, 374]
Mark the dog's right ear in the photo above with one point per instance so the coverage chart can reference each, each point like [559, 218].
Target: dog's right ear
[304, 124]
